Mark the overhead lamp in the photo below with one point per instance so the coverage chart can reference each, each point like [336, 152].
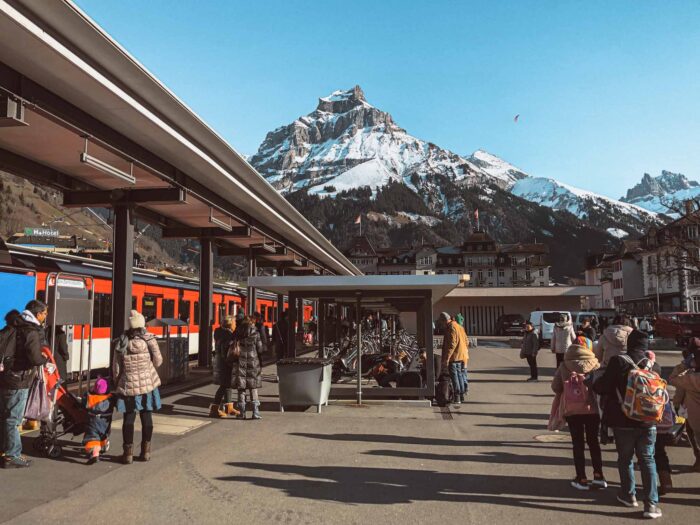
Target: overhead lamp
[227, 226]
[107, 168]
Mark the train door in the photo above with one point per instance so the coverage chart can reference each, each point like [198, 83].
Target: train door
[149, 306]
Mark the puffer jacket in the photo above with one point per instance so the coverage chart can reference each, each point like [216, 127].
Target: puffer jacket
[222, 340]
[455, 345]
[613, 342]
[530, 344]
[689, 381]
[563, 337]
[247, 371]
[577, 359]
[135, 366]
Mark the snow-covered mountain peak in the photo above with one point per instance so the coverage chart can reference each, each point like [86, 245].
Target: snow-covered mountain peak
[664, 193]
[342, 101]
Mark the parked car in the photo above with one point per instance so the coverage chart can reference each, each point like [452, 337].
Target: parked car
[544, 322]
[679, 326]
[510, 324]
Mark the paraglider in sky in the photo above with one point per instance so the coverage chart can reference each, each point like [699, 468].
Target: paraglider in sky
[515, 119]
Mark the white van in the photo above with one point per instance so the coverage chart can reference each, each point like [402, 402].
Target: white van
[544, 322]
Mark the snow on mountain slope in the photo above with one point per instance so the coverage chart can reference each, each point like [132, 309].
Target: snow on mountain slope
[560, 196]
[496, 167]
[372, 173]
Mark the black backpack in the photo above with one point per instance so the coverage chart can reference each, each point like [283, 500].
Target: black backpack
[444, 392]
[8, 345]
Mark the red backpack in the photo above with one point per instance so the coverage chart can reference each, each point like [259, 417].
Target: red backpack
[578, 398]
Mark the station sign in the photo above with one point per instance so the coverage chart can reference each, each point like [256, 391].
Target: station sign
[41, 232]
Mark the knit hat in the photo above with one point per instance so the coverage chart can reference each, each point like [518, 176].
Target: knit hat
[444, 316]
[637, 342]
[581, 350]
[136, 320]
[101, 386]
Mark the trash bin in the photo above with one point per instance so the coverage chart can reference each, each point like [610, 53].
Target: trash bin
[175, 350]
[304, 381]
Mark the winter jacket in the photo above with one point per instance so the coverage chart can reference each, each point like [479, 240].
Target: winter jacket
[563, 337]
[29, 340]
[614, 382]
[679, 394]
[455, 345]
[223, 337]
[99, 409]
[135, 365]
[689, 381]
[577, 359]
[530, 344]
[60, 350]
[247, 371]
[613, 342]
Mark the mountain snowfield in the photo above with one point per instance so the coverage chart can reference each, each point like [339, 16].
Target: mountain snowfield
[664, 193]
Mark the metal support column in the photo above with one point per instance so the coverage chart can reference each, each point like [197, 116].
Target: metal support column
[206, 298]
[122, 269]
[300, 318]
[427, 320]
[291, 329]
[280, 298]
[358, 311]
[321, 328]
[252, 272]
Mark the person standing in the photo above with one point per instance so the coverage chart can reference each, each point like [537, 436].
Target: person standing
[563, 336]
[584, 421]
[247, 371]
[529, 347]
[686, 379]
[631, 436]
[223, 398]
[455, 354]
[21, 355]
[613, 341]
[587, 330]
[262, 330]
[280, 336]
[136, 357]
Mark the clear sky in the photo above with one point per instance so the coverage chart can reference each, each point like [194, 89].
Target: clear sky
[606, 90]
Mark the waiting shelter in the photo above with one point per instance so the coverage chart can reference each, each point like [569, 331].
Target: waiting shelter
[356, 296]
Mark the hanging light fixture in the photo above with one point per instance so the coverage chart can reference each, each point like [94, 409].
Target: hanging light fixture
[107, 168]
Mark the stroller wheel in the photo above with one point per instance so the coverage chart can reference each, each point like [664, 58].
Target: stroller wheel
[55, 452]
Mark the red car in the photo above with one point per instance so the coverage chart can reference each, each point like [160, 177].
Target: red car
[679, 326]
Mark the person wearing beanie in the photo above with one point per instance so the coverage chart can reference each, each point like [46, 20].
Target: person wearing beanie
[576, 368]
[613, 341]
[686, 379]
[100, 406]
[631, 436]
[136, 357]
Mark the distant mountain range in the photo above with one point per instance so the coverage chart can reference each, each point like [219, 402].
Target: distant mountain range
[349, 157]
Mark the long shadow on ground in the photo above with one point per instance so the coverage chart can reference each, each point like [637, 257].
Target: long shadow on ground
[387, 486]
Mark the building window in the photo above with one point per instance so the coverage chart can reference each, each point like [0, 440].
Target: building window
[490, 273]
[541, 272]
[501, 272]
[481, 275]
[696, 303]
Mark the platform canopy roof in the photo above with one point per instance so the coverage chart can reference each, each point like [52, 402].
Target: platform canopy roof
[375, 290]
[94, 117]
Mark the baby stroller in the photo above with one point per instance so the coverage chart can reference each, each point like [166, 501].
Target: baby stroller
[67, 414]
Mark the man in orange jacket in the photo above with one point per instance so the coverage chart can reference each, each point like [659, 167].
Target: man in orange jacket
[455, 354]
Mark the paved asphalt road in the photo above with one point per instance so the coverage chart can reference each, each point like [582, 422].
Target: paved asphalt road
[491, 461]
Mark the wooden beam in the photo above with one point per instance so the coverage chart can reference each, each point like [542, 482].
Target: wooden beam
[254, 249]
[110, 198]
[239, 232]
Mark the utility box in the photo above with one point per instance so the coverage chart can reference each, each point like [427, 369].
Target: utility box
[304, 382]
[175, 349]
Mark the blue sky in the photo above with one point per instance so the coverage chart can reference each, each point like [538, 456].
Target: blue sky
[606, 90]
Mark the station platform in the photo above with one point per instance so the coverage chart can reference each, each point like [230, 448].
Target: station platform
[490, 461]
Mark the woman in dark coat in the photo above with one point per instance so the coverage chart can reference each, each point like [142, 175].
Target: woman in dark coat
[247, 371]
[223, 399]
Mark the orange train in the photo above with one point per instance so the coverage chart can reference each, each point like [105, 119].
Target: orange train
[154, 294]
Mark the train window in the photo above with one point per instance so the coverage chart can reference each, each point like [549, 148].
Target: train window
[149, 310]
[184, 310]
[196, 313]
[263, 311]
[102, 310]
[168, 309]
[222, 312]
[231, 308]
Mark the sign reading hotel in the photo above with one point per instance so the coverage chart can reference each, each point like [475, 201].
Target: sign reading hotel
[40, 232]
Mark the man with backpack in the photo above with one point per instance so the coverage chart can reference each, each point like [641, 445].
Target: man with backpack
[22, 340]
[626, 382]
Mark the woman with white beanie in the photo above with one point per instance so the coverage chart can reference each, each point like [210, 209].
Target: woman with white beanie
[136, 356]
